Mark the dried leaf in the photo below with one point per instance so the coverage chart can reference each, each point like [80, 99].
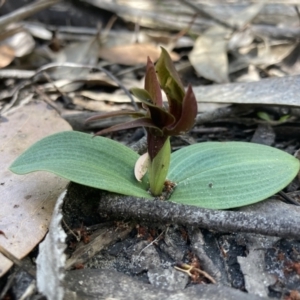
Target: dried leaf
[241, 19]
[37, 30]
[262, 55]
[251, 75]
[132, 54]
[291, 64]
[81, 53]
[240, 39]
[26, 201]
[141, 166]
[22, 42]
[7, 55]
[209, 55]
[273, 54]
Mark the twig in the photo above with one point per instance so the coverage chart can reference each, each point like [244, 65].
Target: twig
[275, 32]
[284, 91]
[150, 244]
[297, 11]
[16, 261]
[25, 11]
[288, 198]
[198, 247]
[47, 100]
[185, 268]
[219, 113]
[8, 33]
[71, 231]
[223, 221]
[14, 73]
[16, 92]
[201, 9]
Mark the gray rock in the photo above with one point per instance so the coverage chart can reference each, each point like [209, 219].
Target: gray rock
[98, 284]
[169, 279]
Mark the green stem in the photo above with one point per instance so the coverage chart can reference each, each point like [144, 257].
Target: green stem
[158, 169]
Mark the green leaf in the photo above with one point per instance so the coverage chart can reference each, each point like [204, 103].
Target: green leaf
[230, 174]
[93, 161]
[264, 116]
[283, 118]
[170, 83]
[158, 168]
[142, 95]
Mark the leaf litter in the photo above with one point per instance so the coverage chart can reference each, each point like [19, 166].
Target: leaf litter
[242, 61]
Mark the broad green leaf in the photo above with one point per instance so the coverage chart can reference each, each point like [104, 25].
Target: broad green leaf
[224, 175]
[93, 161]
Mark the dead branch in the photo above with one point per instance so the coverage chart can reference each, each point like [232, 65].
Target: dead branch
[121, 207]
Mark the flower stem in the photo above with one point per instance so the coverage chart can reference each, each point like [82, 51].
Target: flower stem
[158, 168]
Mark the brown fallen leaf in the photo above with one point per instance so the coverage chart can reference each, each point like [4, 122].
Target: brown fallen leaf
[26, 201]
[7, 55]
[133, 54]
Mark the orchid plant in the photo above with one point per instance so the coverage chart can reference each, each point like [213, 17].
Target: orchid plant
[160, 123]
[211, 175]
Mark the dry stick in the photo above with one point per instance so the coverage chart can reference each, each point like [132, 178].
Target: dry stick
[25, 12]
[274, 32]
[288, 198]
[224, 221]
[15, 73]
[282, 91]
[201, 9]
[185, 268]
[8, 33]
[109, 74]
[212, 115]
[46, 98]
[16, 261]
[16, 92]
